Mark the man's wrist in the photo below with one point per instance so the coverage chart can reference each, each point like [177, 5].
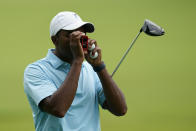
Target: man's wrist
[76, 64]
[99, 67]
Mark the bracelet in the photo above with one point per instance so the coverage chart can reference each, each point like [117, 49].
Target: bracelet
[99, 68]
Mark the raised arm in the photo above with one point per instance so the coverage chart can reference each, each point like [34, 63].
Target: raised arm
[115, 101]
[59, 102]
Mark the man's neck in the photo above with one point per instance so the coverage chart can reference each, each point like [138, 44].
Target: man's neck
[67, 59]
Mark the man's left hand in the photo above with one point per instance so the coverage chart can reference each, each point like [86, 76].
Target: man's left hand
[97, 61]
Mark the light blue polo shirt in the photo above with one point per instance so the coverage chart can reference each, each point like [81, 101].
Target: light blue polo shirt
[43, 77]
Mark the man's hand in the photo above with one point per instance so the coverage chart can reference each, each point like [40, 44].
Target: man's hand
[97, 61]
[75, 45]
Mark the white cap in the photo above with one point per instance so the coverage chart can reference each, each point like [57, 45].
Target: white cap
[68, 21]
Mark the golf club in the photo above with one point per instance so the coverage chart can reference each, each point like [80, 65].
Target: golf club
[149, 28]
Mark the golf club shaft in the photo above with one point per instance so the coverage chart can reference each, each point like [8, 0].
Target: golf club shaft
[126, 53]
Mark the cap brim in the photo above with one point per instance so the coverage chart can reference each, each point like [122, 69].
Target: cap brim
[88, 27]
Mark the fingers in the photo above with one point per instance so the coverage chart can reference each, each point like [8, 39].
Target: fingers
[96, 48]
[76, 35]
[93, 56]
[75, 39]
[90, 44]
[75, 45]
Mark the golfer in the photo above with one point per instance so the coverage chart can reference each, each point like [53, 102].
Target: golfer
[63, 90]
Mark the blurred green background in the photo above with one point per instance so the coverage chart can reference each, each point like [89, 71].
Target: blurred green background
[157, 77]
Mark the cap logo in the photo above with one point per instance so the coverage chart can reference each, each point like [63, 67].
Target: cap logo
[76, 16]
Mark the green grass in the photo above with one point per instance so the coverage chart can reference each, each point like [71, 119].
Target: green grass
[157, 77]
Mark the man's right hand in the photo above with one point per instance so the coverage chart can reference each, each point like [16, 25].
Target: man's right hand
[76, 47]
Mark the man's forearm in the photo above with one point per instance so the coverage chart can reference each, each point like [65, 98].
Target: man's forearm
[61, 100]
[114, 97]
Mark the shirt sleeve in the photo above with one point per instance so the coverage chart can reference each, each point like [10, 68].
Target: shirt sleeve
[36, 84]
[99, 91]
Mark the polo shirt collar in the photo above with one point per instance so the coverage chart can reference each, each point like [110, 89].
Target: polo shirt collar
[54, 60]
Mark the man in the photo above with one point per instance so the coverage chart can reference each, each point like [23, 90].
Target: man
[64, 91]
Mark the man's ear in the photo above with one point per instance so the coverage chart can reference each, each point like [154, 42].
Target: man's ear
[54, 40]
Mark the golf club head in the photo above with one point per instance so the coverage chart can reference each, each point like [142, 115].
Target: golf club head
[152, 29]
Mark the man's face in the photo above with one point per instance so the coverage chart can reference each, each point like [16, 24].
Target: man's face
[63, 42]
